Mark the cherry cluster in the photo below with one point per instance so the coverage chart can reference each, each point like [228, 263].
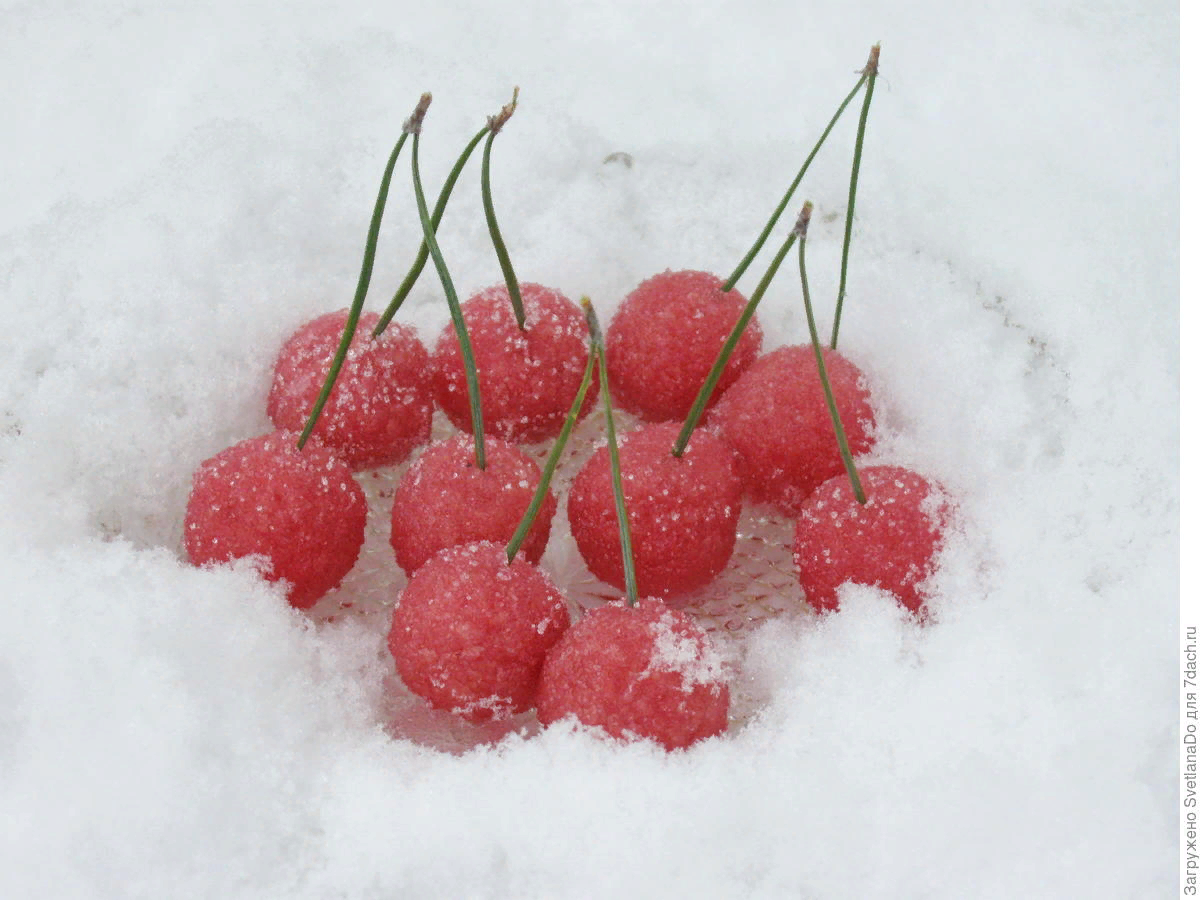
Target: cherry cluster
[480, 629]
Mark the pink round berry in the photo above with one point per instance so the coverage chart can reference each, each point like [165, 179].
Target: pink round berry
[777, 422]
[647, 671]
[381, 406]
[666, 336]
[527, 379]
[471, 631]
[683, 511]
[445, 499]
[301, 509]
[889, 543]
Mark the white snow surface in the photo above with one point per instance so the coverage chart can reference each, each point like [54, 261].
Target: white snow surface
[186, 183]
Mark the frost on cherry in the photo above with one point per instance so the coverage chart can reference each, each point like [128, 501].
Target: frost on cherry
[666, 336]
[889, 543]
[683, 511]
[470, 631]
[527, 379]
[300, 511]
[777, 422]
[381, 406]
[445, 499]
[637, 672]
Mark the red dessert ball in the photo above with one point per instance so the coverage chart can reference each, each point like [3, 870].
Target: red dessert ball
[527, 379]
[889, 543]
[683, 511]
[643, 672]
[445, 499]
[666, 336]
[300, 509]
[381, 406]
[471, 631]
[777, 422]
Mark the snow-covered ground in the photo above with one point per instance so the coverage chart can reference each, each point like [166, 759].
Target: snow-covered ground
[185, 183]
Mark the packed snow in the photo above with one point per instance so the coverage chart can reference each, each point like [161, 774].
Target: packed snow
[185, 185]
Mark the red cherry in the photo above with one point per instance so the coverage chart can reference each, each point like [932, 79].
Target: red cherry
[527, 379]
[471, 631]
[382, 404]
[888, 543]
[777, 422]
[646, 671]
[666, 336]
[683, 511]
[301, 509]
[444, 499]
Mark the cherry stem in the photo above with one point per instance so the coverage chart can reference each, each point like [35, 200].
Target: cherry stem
[614, 456]
[871, 70]
[543, 488]
[495, 123]
[460, 325]
[714, 374]
[843, 444]
[762, 238]
[360, 294]
[439, 210]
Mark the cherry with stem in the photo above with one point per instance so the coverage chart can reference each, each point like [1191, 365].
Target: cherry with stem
[642, 328]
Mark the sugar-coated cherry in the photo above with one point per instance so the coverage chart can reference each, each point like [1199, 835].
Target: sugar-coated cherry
[300, 509]
[777, 422]
[381, 407]
[445, 499]
[645, 672]
[527, 379]
[888, 543]
[666, 336]
[683, 511]
[471, 631]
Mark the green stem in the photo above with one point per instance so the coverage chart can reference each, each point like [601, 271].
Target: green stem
[871, 70]
[460, 325]
[489, 211]
[556, 451]
[762, 238]
[360, 295]
[838, 429]
[614, 456]
[714, 374]
[439, 210]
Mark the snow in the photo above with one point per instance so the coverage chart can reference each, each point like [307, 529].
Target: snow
[187, 184]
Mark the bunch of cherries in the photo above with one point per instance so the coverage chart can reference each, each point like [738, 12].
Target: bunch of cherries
[480, 629]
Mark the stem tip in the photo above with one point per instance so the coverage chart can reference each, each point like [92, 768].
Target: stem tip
[594, 333]
[801, 229]
[872, 66]
[496, 122]
[413, 125]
